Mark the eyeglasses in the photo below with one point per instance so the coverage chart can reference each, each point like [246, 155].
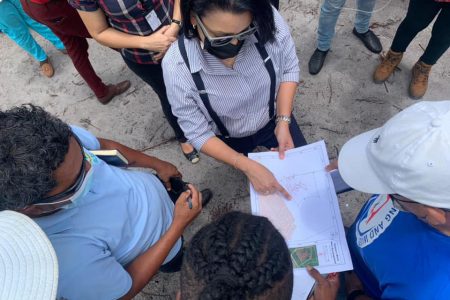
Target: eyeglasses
[71, 190]
[397, 202]
[225, 40]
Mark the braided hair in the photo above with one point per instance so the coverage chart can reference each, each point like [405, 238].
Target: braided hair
[240, 257]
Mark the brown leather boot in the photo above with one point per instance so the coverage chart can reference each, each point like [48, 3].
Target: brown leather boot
[419, 80]
[387, 66]
[114, 90]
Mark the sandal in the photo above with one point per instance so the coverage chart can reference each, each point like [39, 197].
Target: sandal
[46, 68]
[193, 156]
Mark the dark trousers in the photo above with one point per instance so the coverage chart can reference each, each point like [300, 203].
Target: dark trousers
[174, 265]
[65, 22]
[420, 14]
[152, 74]
[264, 137]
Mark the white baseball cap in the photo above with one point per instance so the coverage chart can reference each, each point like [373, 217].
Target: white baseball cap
[409, 155]
[28, 263]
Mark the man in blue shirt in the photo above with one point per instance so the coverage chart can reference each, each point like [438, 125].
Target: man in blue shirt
[112, 228]
[400, 241]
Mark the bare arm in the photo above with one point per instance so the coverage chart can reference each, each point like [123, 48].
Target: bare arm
[100, 30]
[145, 266]
[138, 159]
[285, 99]
[177, 10]
[261, 178]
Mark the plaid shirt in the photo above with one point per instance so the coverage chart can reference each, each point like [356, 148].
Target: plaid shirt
[129, 16]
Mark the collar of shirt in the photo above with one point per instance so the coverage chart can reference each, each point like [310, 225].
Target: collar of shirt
[200, 59]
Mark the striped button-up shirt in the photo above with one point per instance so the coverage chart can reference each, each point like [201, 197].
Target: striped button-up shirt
[129, 16]
[239, 95]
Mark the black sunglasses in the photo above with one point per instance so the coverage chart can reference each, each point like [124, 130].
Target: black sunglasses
[71, 190]
[397, 202]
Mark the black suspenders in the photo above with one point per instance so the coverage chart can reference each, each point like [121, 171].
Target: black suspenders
[271, 70]
[204, 96]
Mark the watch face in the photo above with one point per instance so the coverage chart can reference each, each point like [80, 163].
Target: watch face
[176, 22]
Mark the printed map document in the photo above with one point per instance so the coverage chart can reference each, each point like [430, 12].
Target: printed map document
[311, 222]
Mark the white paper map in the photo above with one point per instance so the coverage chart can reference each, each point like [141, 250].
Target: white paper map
[311, 222]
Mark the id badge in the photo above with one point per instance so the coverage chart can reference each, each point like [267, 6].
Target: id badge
[153, 20]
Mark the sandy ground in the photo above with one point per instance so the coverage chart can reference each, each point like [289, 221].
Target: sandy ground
[335, 105]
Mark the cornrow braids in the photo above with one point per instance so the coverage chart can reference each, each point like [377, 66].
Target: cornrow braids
[240, 257]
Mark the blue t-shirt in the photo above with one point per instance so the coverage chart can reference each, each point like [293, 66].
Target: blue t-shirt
[398, 256]
[124, 213]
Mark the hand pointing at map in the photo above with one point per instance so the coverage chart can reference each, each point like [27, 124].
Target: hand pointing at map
[263, 180]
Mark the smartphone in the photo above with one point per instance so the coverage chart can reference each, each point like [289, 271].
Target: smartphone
[178, 185]
[339, 184]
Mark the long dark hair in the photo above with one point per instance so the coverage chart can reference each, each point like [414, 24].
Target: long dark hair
[261, 11]
[237, 257]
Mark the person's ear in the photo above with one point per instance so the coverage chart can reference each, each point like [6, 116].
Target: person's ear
[193, 21]
[178, 297]
[436, 216]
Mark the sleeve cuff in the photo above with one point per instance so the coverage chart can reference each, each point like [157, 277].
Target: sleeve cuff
[198, 142]
[291, 77]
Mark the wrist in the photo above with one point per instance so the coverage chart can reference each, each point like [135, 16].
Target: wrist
[280, 119]
[236, 159]
[145, 42]
[176, 22]
[178, 226]
[243, 164]
[156, 164]
[282, 125]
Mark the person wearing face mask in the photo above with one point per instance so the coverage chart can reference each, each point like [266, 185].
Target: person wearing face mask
[400, 240]
[112, 228]
[231, 80]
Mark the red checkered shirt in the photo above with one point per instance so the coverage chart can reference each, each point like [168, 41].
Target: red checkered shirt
[129, 16]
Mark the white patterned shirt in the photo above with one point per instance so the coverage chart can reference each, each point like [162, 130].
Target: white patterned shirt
[239, 95]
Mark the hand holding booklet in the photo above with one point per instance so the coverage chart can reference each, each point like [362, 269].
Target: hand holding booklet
[311, 222]
[111, 157]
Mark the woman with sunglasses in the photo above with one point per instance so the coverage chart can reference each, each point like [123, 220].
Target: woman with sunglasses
[231, 80]
[143, 30]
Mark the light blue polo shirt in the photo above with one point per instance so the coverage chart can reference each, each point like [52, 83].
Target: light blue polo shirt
[124, 213]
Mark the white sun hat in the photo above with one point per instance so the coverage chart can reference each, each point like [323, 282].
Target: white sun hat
[409, 155]
[28, 263]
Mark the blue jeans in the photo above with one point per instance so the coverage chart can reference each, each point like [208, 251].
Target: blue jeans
[15, 23]
[329, 13]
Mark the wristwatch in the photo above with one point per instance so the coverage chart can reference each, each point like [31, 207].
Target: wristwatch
[178, 22]
[286, 119]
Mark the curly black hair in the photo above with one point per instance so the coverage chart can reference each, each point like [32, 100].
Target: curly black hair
[261, 11]
[32, 145]
[237, 257]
